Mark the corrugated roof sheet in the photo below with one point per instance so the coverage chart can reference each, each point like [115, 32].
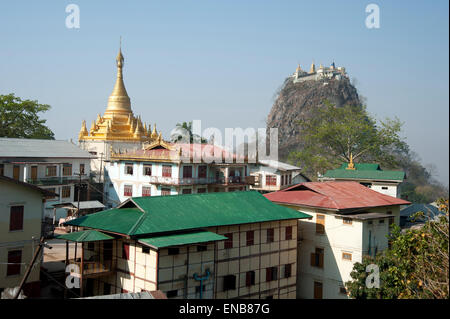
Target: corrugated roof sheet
[333, 195]
[89, 204]
[365, 171]
[22, 147]
[429, 211]
[279, 165]
[191, 211]
[85, 236]
[182, 239]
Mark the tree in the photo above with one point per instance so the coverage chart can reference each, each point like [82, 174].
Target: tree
[183, 132]
[20, 118]
[416, 265]
[332, 134]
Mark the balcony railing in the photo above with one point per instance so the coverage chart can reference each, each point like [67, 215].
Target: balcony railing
[200, 181]
[95, 268]
[54, 180]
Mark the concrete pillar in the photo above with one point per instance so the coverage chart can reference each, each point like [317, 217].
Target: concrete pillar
[25, 172]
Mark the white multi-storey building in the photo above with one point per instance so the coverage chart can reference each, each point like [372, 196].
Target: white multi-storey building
[50, 164]
[348, 222]
[271, 175]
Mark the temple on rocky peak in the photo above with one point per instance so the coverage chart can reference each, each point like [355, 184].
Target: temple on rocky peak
[323, 73]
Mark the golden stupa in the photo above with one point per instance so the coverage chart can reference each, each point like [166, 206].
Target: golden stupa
[118, 123]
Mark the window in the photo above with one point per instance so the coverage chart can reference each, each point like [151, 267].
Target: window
[288, 235]
[106, 288]
[67, 169]
[201, 190]
[65, 191]
[165, 191]
[16, 218]
[250, 238]
[381, 221]
[202, 248]
[146, 191]
[317, 258]
[53, 190]
[270, 235]
[2, 169]
[347, 256]
[282, 179]
[320, 224]
[147, 170]
[187, 171]
[187, 191]
[287, 270]
[229, 241]
[271, 180]
[229, 282]
[347, 221]
[16, 172]
[250, 278]
[197, 289]
[174, 251]
[167, 171]
[128, 190]
[172, 293]
[145, 250]
[129, 169]
[384, 187]
[81, 168]
[14, 261]
[202, 171]
[50, 171]
[93, 153]
[391, 220]
[290, 179]
[126, 251]
[91, 246]
[370, 222]
[271, 273]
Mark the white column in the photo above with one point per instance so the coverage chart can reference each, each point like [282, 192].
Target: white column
[25, 172]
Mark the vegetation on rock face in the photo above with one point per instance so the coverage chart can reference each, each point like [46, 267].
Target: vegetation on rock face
[20, 118]
[416, 265]
[312, 135]
[183, 133]
[333, 134]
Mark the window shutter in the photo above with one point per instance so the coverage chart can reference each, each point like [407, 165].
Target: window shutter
[268, 274]
[289, 233]
[16, 218]
[248, 279]
[321, 260]
[126, 251]
[313, 259]
[15, 258]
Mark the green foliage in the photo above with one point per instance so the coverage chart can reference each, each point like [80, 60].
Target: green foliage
[332, 133]
[20, 118]
[183, 133]
[416, 265]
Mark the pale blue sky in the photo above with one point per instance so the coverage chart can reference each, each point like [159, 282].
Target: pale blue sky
[222, 61]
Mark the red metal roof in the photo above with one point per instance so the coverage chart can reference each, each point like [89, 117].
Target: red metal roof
[333, 195]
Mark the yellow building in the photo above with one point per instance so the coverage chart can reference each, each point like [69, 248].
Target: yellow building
[21, 213]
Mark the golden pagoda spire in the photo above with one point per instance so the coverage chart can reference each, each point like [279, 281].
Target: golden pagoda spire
[83, 131]
[119, 101]
[313, 68]
[350, 164]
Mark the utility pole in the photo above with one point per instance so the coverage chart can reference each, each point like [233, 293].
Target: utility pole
[100, 180]
[78, 208]
[30, 266]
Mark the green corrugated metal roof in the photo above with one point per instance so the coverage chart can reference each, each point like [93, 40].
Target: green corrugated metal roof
[182, 239]
[191, 211]
[85, 236]
[365, 171]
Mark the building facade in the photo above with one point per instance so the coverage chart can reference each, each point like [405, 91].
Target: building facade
[217, 245]
[21, 213]
[369, 175]
[270, 175]
[50, 164]
[322, 73]
[348, 222]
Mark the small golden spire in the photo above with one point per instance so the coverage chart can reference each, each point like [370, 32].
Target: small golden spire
[313, 68]
[350, 164]
[119, 101]
[298, 68]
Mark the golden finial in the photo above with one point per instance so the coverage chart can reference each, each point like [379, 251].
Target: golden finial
[350, 164]
[298, 68]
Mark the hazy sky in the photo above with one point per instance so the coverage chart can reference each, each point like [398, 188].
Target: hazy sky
[222, 61]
